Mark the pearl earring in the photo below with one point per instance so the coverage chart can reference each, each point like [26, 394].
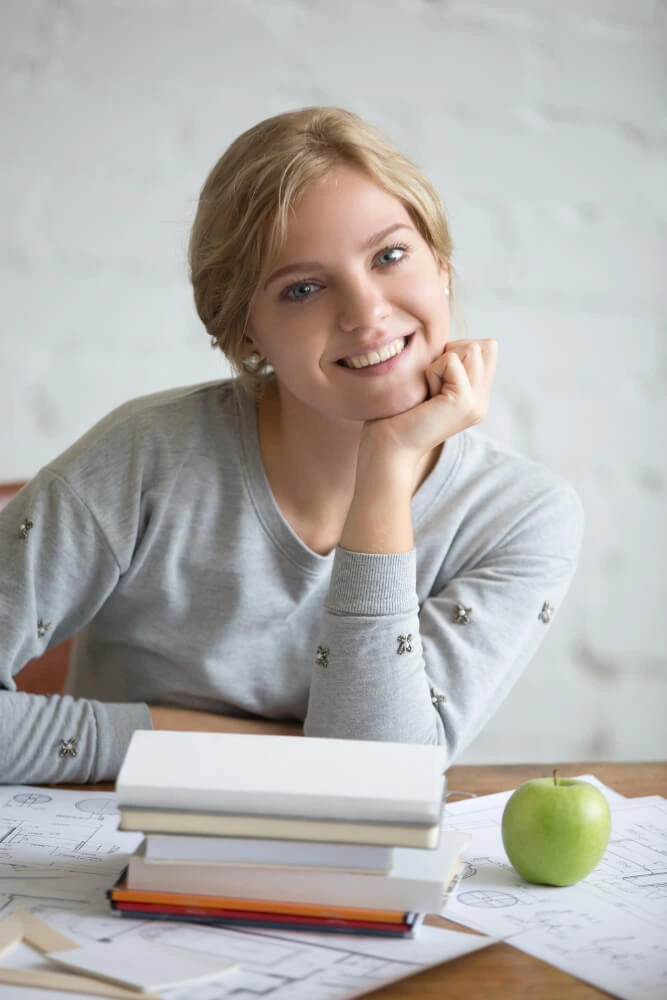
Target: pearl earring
[253, 360]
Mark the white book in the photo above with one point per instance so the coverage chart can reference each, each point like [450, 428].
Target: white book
[416, 882]
[284, 776]
[218, 824]
[248, 851]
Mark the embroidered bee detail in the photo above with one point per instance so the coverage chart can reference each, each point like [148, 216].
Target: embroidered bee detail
[437, 699]
[404, 644]
[546, 613]
[43, 628]
[462, 614]
[25, 527]
[322, 658]
[67, 748]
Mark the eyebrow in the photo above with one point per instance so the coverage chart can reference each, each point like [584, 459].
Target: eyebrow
[313, 265]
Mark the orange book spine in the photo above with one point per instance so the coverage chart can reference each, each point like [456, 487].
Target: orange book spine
[119, 892]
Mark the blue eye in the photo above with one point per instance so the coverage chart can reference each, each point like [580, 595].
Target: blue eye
[392, 255]
[299, 292]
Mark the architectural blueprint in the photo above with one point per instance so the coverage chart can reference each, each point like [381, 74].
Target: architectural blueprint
[60, 844]
[61, 850]
[610, 929]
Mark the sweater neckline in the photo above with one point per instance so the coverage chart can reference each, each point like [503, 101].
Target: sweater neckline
[273, 521]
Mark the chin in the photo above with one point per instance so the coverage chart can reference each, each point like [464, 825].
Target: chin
[407, 398]
[398, 402]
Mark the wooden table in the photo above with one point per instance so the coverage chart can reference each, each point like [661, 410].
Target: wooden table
[501, 972]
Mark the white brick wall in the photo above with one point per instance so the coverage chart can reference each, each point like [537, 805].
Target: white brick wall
[541, 122]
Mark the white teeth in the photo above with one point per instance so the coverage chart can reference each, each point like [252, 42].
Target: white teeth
[376, 357]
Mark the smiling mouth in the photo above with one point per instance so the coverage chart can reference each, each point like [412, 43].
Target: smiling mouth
[375, 357]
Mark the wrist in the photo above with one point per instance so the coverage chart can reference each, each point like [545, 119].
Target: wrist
[384, 464]
[380, 515]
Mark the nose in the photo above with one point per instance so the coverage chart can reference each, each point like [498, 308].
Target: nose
[362, 305]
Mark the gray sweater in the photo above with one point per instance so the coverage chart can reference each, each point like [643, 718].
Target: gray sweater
[156, 540]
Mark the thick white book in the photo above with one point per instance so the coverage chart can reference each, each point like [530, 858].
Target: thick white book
[283, 776]
[417, 881]
[248, 851]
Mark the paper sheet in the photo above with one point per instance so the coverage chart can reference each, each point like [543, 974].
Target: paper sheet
[609, 930]
[60, 849]
[142, 965]
[60, 844]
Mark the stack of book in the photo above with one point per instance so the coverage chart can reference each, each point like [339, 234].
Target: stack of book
[281, 831]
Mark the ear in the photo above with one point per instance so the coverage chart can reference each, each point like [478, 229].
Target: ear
[445, 274]
[249, 348]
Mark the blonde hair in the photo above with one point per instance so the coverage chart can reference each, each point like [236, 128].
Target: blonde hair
[245, 203]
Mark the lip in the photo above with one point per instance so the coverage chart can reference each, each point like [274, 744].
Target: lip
[384, 366]
[376, 347]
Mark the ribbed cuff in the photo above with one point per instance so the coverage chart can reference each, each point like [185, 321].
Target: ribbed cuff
[370, 583]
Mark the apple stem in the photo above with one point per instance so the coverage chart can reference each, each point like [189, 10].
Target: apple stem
[555, 776]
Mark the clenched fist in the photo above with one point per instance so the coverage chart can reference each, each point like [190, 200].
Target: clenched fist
[459, 386]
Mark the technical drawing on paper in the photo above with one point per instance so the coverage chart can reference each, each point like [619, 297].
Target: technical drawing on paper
[273, 965]
[487, 898]
[59, 858]
[31, 799]
[610, 929]
[98, 806]
[60, 845]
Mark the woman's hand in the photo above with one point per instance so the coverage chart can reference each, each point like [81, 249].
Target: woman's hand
[463, 378]
[395, 453]
[459, 384]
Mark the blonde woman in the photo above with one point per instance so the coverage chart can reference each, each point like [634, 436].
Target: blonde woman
[316, 545]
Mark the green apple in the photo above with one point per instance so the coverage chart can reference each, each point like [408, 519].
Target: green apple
[555, 830]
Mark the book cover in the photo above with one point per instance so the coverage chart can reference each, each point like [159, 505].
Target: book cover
[276, 828]
[416, 881]
[120, 893]
[387, 931]
[253, 918]
[286, 776]
[248, 850]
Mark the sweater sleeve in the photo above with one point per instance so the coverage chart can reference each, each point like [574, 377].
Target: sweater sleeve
[388, 669]
[57, 570]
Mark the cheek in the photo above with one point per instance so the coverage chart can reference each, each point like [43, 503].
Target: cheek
[435, 316]
[425, 289]
[432, 307]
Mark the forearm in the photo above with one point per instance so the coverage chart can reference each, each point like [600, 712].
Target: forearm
[54, 739]
[371, 682]
[380, 516]
[192, 721]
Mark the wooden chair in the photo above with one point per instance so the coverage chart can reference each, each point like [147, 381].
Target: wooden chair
[46, 674]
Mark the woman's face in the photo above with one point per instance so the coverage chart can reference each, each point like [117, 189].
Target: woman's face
[354, 307]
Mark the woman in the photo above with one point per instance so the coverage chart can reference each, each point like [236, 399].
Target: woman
[317, 545]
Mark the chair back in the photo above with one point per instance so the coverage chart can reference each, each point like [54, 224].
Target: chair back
[8, 491]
